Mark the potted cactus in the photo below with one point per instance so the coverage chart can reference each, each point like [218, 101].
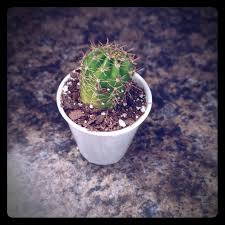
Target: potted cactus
[104, 101]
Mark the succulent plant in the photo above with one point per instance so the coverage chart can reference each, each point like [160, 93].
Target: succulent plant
[106, 70]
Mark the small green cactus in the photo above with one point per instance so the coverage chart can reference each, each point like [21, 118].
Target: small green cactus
[105, 72]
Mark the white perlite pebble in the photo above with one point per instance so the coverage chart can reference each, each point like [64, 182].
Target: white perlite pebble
[80, 104]
[138, 107]
[65, 88]
[78, 83]
[136, 116]
[124, 104]
[91, 106]
[124, 115]
[122, 123]
[143, 109]
[103, 113]
[141, 96]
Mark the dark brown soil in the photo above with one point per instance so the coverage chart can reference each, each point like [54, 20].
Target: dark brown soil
[127, 111]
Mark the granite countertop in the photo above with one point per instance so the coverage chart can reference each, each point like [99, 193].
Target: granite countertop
[170, 169]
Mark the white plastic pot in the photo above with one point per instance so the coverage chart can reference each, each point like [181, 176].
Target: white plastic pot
[104, 148]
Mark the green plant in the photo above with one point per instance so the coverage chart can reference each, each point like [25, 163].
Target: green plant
[106, 70]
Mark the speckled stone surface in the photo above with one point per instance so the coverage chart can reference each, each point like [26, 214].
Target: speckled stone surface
[170, 169]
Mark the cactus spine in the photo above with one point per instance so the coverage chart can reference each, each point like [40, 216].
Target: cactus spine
[105, 72]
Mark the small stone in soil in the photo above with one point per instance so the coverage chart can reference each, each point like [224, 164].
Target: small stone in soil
[99, 119]
[143, 109]
[124, 115]
[65, 88]
[76, 114]
[122, 123]
[129, 121]
[103, 113]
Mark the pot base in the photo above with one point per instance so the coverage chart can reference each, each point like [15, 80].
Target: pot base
[103, 150]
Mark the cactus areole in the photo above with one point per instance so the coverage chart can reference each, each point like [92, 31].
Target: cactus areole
[106, 71]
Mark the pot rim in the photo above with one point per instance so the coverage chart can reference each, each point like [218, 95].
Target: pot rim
[107, 133]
